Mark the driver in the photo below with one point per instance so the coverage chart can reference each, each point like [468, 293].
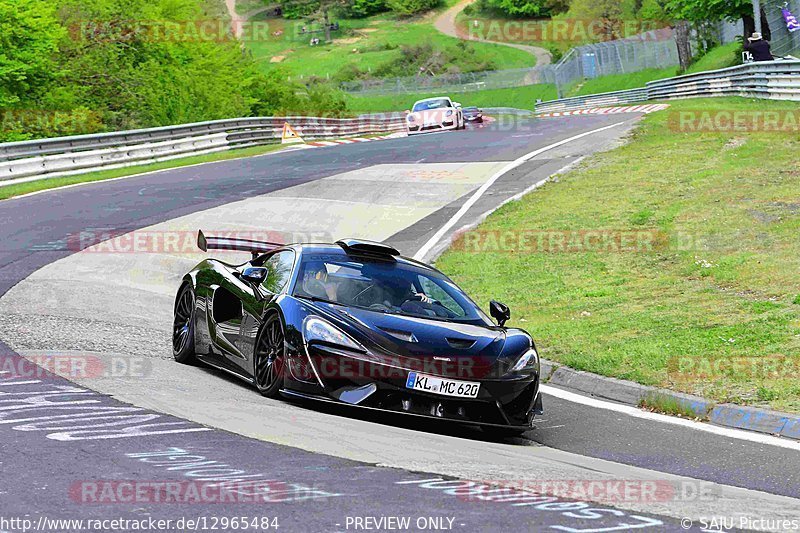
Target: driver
[317, 282]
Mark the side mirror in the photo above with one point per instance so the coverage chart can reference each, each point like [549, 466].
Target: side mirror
[456, 104]
[255, 275]
[407, 111]
[499, 312]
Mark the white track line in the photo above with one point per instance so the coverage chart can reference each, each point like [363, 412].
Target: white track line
[420, 255]
[760, 438]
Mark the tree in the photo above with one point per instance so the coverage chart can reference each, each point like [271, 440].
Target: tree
[29, 35]
[714, 10]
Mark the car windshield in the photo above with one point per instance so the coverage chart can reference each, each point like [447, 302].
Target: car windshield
[385, 287]
[471, 109]
[428, 105]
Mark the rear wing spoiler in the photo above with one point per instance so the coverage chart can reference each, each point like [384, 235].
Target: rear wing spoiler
[256, 248]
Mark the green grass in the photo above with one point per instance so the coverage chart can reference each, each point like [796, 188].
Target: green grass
[723, 56]
[520, 97]
[720, 285]
[621, 82]
[9, 191]
[243, 7]
[668, 405]
[368, 43]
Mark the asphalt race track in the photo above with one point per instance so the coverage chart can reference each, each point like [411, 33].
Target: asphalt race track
[73, 450]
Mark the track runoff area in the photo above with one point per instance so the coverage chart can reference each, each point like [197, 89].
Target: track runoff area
[134, 441]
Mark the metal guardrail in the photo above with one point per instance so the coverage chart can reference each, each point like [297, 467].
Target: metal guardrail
[775, 80]
[507, 111]
[595, 100]
[62, 156]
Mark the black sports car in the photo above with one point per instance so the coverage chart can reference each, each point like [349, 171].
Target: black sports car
[473, 114]
[355, 323]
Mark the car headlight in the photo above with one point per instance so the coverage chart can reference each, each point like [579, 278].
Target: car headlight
[528, 361]
[317, 329]
[410, 118]
[449, 113]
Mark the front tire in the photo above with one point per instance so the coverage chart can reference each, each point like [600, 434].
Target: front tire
[183, 326]
[270, 357]
[504, 433]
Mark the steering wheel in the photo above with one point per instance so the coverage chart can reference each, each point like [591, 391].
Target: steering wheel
[314, 287]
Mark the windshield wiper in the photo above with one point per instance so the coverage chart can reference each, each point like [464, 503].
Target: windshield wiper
[316, 299]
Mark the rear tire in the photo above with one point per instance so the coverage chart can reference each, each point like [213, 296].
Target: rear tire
[183, 326]
[270, 357]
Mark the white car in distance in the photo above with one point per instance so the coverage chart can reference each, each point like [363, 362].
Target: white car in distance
[434, 114]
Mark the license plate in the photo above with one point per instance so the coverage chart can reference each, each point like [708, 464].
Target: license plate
[445, 387]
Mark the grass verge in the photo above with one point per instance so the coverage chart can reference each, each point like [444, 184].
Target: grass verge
[711, 307]
[621, 82]
[519, 97]
[369, 44]
[9, 191]
[668, 405]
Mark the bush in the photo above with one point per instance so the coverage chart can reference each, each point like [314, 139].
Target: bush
[363, 8]
[411, 7]
[111, 76]
[324, 100]
[29, 33]
[25, 124]
[297, 9]
[524, 8]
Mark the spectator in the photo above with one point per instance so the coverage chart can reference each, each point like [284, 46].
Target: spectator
[759, 48]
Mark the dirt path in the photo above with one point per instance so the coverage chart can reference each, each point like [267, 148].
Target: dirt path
[446, 23]
[237, 20]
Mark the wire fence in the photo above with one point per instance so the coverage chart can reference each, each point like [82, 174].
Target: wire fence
[654, 49]
[784, 42]
[463, 82]
[651, 50]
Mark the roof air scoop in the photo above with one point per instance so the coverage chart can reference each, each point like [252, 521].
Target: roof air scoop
[357, 246]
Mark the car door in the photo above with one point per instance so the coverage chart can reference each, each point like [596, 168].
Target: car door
[226, 314]
[280, 266]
